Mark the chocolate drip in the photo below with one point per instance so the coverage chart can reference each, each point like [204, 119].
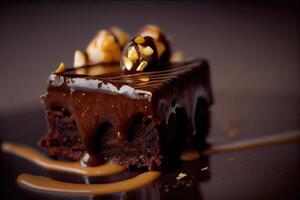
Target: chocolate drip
[111, 100]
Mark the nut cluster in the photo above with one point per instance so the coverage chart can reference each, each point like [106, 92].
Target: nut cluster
[146, 51]
[139, 55]
[143, 53]
[105, 47]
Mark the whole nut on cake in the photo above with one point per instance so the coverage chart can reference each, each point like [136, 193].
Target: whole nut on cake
[103, 48]
[106, 46]
[120, 35]
[161, 42]
[60, 69]
[80, 59]
[146, 51]
[140, 54]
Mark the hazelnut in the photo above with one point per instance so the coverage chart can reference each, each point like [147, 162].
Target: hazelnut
[142, 66]
[147, 51]
[128, 64]
[132, 53]
[121, 36]
[161, 42]
[181, 176]
[79, 59]
[60, 69]
[138, 54]
[139, 40]
[106, 43]
[106, 46]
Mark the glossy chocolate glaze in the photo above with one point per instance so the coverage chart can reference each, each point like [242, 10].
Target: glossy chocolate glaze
[101, 94]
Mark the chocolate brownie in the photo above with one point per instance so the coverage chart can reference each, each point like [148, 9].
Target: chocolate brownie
[138, 115]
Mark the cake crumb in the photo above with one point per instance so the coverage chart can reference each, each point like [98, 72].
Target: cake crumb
[204, 168]
[180, 176]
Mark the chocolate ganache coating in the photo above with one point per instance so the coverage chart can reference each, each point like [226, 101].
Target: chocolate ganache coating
[107, 105]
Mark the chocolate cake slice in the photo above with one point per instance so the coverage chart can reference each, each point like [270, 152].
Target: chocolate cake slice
[99, 112]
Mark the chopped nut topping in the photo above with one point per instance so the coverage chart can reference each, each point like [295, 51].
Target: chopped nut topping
[128, 64]
[147, 51]
[180, 176]
[204, 168]
[139, 40]
[60, 69]
[141, 47]
[79, 59]
[132, 53]
[142, 66]
[161, 42]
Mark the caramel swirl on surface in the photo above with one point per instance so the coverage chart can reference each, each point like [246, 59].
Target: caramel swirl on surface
[71, 167]
[288, 137]
[46, 184]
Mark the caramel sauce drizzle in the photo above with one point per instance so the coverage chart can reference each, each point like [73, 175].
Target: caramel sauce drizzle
[46, 184]
[284, 138]
[71, 167]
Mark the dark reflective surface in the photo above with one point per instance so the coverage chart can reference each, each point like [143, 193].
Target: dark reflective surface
[253, 49]
[265, 173]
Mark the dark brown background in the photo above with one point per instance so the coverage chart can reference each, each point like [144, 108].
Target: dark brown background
[253, 49]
